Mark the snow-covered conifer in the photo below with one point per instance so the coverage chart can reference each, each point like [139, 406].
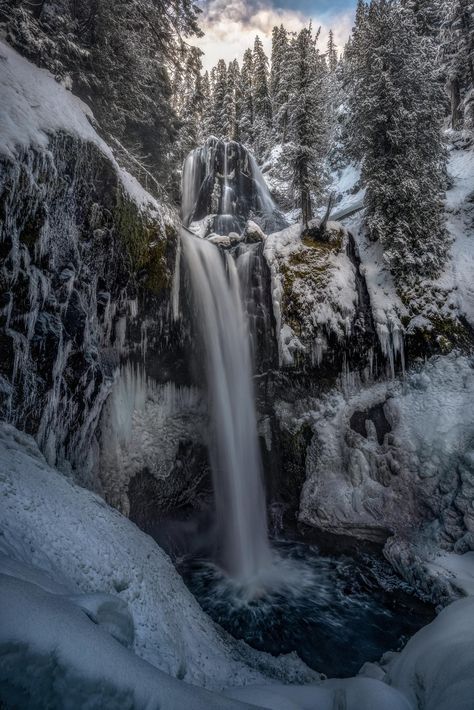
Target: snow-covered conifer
[396, 117]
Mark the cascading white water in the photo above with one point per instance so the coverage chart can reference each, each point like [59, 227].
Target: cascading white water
[221, 180]
[234, 449]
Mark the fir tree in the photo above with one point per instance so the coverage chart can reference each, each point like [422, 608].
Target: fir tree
[118, 56]
[307, 125]
[246, 125]
[331, 54]
[279, 82]
[220, 113]
[457, 40]
[261, 99]
[234, 92]
[396, 116]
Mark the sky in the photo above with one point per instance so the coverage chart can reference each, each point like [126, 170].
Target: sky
[230, 26]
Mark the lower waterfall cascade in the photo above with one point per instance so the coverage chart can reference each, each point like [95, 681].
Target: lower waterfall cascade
[234, 449]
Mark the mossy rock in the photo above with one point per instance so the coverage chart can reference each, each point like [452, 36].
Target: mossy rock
[443, 336]
[148, 245]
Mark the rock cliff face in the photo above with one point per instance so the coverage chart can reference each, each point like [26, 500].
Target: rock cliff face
[80, 259]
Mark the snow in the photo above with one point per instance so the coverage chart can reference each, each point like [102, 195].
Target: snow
[458, 569]
[350, 694]
[93, 613]
[459, 274]
[74, 537]
[142, 425]
[435, 668]
[33, 106]
[450, 295]
[55, 655]
[318, 282]
[424, 463]
[350, 196]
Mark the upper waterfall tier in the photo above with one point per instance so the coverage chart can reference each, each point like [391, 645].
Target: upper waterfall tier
[221, 179]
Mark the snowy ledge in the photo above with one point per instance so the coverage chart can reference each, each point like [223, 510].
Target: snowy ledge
[34, 106]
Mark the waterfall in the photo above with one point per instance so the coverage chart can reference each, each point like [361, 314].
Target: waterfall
[222, 180]
[233, 446]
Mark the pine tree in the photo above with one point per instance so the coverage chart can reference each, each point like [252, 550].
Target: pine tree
[279, 82]
[190, 105]
[118, 56]
[247, 104]
[335, 104]
[220, 113]
[396, 117]
[234, 92]
[457, 40]
[332, 59]
[307, 125]
[207, 105]
[261, 99]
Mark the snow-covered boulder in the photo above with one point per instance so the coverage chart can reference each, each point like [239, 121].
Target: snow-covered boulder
[395, 458]
[253, 234]
[315, 295]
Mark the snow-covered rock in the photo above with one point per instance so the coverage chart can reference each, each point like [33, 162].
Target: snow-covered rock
[88, 256]
[34, 106]
[393, 456]
[314, 293]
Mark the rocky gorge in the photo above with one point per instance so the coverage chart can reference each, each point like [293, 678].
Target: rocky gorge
[363, 395]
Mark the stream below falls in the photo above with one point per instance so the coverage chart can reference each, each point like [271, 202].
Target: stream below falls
[336, 611]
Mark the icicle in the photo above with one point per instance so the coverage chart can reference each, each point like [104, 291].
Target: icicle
[176, 282]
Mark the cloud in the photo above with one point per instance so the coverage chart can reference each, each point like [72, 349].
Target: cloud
[230, 26]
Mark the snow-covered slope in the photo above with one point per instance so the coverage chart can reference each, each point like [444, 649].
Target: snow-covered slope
[460, 221]
[34, 106]
[433, 301]
[48, 522]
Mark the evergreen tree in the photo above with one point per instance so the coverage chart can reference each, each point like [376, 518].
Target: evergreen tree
[246, 125]
[207, 105]
[118, 56]
[261, 99]
[331, 54]
[234, 92]
[307, 125]
[279, 82]
[457, 39]
[396, 116]
[190, 105]
[336, 110]
[220, 113]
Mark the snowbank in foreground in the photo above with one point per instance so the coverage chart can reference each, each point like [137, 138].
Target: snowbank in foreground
[435, 669]
[47, 522]
[65, 644]
[54, 655]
